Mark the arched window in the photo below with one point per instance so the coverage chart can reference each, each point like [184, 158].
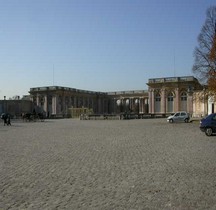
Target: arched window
[157, 97]
[183, 96]
[157, 102]
[170, 97]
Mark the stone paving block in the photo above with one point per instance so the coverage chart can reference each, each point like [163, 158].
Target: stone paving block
[114, 164]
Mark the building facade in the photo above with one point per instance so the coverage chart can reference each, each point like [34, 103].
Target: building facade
[15, 107]
[56, 101]
[163, 97]
[172, 94]
[168, 95]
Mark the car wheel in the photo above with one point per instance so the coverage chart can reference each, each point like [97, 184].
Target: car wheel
[186, 120]
[208, 131]
[171, 121]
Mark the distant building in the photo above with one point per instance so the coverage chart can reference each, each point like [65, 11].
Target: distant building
[163, 97]
[56, 101]
[15, 107]
[171, 94]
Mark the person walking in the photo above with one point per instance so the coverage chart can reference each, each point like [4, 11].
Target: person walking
[4, 118]
[8, 119]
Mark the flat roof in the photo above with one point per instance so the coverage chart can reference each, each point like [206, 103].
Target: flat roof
[172, 79]
[54, 88]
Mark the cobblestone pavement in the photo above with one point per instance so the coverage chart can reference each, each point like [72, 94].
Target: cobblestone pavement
[106, 165]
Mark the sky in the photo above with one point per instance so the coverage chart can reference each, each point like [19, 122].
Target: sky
[97, 45]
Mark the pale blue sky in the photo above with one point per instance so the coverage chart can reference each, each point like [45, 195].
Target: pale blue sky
[99, 45]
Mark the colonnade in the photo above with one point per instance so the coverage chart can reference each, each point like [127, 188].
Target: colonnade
[131, 104]
[59, 103]
[165, 101]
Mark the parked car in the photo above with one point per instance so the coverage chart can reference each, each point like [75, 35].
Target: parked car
[179, 117]
[208, 124]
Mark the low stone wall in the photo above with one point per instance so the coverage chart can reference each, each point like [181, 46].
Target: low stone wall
[100, 117]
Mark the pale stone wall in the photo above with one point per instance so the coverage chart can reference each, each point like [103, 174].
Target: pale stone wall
[170, 90]
[199, 104]
[15, 107]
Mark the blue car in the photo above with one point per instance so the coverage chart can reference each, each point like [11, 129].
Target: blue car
[208, 124]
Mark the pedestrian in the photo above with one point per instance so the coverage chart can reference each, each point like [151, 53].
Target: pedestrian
[8, 119]
[4, 118]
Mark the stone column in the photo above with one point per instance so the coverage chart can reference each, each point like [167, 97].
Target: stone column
[131, 104]
[38, 100]
[163, 101]
[63, 106]
[146, 105]
[176, 100]
[99, 105]
[58, 104]
[151, 102]
[45, 103]
[190, 103]
[141, 104]
[54, 102]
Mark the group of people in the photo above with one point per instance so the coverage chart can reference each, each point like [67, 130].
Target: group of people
[6, 118]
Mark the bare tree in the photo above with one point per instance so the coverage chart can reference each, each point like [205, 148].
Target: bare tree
[212, 73]
[205, 54]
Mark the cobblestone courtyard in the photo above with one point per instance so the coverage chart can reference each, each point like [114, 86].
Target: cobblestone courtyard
[106, 165]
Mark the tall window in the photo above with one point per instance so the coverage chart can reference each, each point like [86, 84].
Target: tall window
[183, 102]
[170, 102]
[157, 102]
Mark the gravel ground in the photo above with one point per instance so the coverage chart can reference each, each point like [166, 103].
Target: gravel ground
[106, 165]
